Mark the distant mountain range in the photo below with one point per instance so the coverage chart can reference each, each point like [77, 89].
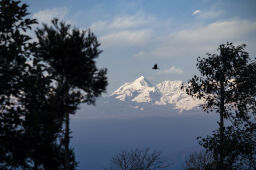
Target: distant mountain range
[140, 97]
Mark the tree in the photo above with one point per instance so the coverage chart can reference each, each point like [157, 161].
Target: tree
[42, 121]
[14, 53]
[70, 55]
[224, 88]
[143, 159]
[240, 148]
[201, 160]
[29, 123]
[37, 91]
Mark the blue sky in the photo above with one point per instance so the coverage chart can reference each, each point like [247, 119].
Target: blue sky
[135, 34]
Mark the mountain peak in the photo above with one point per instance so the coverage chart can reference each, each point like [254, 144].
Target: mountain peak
[165, 93]
[130, 90]
[141, 81]
[140, 78]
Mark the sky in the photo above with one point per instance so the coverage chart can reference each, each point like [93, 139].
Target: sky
[136, 34]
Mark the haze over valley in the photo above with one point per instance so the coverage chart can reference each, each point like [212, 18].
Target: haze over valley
[140, 115]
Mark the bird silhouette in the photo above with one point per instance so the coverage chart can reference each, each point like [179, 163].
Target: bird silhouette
[155, 67]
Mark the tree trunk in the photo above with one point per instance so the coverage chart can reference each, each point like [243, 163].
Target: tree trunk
[64, 89]
[221, 124]
[66, 142]
[35, 166]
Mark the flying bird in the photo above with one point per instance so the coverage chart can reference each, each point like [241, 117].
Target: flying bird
[155, 67]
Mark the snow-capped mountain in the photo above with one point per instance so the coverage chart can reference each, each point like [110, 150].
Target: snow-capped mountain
[141, 97]
[167, 92]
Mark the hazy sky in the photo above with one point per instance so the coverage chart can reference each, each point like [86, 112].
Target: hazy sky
[135, 34]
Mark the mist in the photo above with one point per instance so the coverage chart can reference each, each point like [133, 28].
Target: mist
[96, 140]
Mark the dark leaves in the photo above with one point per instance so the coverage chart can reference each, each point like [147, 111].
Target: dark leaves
[228, 86]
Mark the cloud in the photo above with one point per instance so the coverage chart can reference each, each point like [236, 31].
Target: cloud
[209, 14]
[216, 31]
[126, 38]
[45, 16]
[123, 23]
[133, 31]
[142, 36]
[201, 39]
[196, 12]
[172, 70]
[131, 21]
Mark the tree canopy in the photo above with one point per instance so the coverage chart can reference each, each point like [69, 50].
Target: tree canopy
[227, 85]
[70, 57]
[41, 83]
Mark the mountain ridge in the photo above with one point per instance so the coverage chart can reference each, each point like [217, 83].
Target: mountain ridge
[141, 98]
[166, 92]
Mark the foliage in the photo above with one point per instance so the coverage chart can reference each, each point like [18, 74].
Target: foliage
[239, 150]
[70, 57]
[216, 70]
[143, 159]
[41, 83]
[14, 52]
[201, 160]
[227, 86]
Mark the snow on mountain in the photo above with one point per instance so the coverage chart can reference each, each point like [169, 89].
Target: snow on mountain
[167, 92]
[136, 91]
[140, 97]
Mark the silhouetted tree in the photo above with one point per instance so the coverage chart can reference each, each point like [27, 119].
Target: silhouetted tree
[201, 160]
[140, 159]
[38, 90]
[70, 55]
[240, 147]
[14, 53]
[225, 87]
[29, 125]
[42, 121]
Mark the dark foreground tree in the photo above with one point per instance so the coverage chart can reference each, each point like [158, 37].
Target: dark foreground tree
[240, 147]
[29, 123]
[139, 159]
[40, 88]
[70, 55]
[226, 86]
[42, 121]
[14, 53]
